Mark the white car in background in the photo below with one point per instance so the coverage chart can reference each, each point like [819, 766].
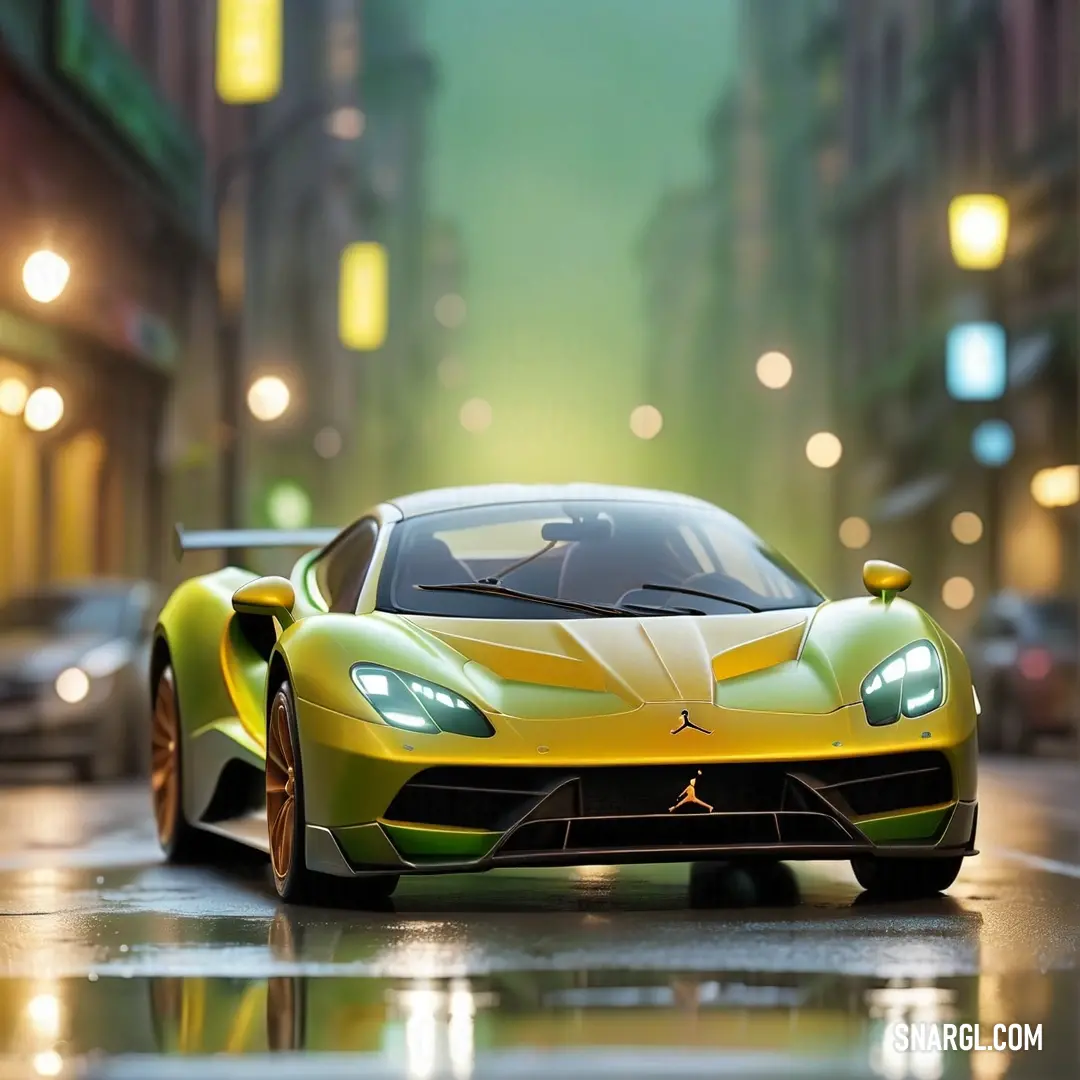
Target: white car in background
[74, 663]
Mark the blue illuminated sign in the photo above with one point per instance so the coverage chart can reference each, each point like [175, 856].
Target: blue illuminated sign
[975, 362]
[993, 443]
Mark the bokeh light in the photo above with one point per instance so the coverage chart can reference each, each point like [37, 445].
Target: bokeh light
[1056, 487]
[774, 370]
[450, 310]
[346, 123]
[978, 231]
[45, 276]
[268, 398]
[48, 1063]
[13, 395]
[451, 372]
[288, 506]
[957, 593]
[854, 533]
[44, 1013]
[328, 442]
[993, 443]
[823, 450]
[967, 527]
[44, 409]
[475, 415]
[72, 685]
[646, 421]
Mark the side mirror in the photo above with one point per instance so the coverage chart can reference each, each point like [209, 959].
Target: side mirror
[270, 596]
[884, 579]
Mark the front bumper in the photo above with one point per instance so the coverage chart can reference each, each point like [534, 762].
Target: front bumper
[379, 800]
[28, 734]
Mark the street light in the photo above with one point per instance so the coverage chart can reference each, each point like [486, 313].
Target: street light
[646, 421]
[268, 398]
[773, 370]
[44, 409]
[362, 299]
[13, 395]
[1056, 487]
[249, 50]
[824, 450]
[45, 276]
[978, 231]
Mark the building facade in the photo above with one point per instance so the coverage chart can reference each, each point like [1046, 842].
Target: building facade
[342, 163]
[942, 99]
[744, 265]
[107, 107]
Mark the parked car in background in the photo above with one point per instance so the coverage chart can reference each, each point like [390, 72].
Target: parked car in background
[74, 663]
[1023, 658]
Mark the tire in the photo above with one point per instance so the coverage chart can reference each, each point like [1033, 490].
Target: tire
[179, 840]
[293, 881]
[905, 879]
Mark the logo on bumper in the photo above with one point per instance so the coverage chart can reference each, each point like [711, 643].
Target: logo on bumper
[688, 723]
[688, 796]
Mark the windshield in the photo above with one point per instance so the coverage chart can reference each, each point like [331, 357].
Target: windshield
[65, 614]
[601, 553]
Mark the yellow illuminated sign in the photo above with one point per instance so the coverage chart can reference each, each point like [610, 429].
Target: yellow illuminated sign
[979, 231]
[249, 50]
[362, 299]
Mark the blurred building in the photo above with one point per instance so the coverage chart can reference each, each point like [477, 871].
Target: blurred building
[944, 99]
[342, 160]
[445, 319]
[104, 112]
[675, 257]
[746, 266]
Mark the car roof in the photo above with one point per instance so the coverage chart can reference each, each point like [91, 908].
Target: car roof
[456, 498]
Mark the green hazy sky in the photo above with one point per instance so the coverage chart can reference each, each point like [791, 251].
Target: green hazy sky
[558, 125]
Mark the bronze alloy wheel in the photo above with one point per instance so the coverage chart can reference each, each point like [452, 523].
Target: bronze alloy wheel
[165, 758]
[280, 786]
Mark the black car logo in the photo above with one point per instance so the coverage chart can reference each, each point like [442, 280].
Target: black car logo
[688, 723]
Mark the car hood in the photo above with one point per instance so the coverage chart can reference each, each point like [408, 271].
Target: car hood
[589, 666]
[807, 661]
[38, 656]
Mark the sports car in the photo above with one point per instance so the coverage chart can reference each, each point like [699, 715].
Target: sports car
[474, 678]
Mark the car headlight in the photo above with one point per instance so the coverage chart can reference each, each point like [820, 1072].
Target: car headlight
[72, 686]
[909, 683]
[413, 704]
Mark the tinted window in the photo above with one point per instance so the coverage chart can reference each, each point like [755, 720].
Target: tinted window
[62, 614]
[341, 571]
[585, 552]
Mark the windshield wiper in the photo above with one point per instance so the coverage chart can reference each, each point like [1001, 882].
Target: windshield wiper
[659, 609]
[705, 595]
[482, 588]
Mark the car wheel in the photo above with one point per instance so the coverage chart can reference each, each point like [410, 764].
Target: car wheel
[179, 840]
[294, 882]
[905, 879]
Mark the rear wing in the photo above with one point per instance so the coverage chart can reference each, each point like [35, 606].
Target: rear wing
[239, 539]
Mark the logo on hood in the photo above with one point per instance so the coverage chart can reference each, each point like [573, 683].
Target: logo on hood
[688, 723]
[688, 796]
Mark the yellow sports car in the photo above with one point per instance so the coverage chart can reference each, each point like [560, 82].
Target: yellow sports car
[512, 675]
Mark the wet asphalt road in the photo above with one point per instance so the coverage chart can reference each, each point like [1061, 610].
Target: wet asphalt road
[109, 959]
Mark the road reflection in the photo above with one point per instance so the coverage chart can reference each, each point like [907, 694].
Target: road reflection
[433, 1014]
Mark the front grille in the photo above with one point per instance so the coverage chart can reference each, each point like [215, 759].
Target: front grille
[496, 798]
